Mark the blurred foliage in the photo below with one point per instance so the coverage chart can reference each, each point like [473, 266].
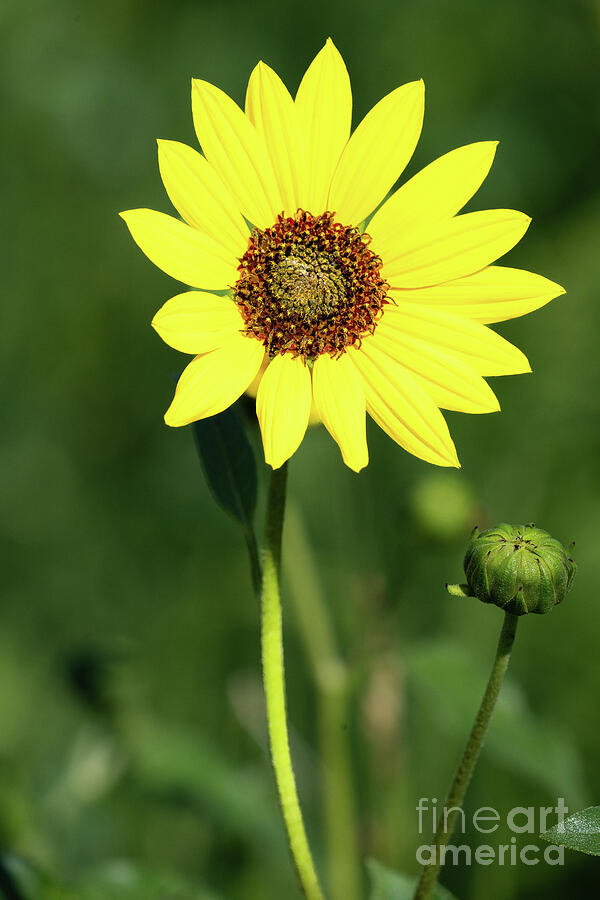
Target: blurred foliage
[132, 746]
[387, 885]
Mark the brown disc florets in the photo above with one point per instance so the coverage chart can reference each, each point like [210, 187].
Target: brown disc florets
[309, 285]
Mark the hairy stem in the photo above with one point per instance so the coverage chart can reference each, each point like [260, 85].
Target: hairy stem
[274, 684]
[465, 769]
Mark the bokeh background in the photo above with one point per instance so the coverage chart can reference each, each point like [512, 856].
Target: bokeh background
[132, 739]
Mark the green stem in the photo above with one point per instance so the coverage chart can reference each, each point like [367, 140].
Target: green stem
[459, 786]
[331, 678]
[274, 684]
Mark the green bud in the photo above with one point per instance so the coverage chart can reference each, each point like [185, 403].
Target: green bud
[519, 568]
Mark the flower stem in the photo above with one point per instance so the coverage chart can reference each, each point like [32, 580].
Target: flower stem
[459, 786]
[274, 684]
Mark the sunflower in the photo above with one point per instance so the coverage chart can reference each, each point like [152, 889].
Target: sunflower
[302, 298]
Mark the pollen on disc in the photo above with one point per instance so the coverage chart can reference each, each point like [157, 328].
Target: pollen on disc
[309, 285]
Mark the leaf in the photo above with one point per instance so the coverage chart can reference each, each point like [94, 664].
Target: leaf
[388, 885]
[451, 684]
[581, 831]
[459, 590]
[228, 463]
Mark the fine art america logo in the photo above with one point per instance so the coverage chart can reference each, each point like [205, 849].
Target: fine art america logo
[521, 820]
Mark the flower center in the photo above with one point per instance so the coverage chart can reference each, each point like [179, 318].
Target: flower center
[309, 285]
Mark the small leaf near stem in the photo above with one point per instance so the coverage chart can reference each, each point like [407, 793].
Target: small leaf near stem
[230, 469]
[459, 785]
[228, 463]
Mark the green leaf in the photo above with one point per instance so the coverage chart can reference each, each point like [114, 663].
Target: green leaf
[581, 831]
[228, 463]
[388, 885]
[459, 590]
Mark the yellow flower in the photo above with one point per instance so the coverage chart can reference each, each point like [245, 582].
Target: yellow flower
[322, 314]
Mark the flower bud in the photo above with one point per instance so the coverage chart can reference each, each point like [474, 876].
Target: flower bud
[519, 568]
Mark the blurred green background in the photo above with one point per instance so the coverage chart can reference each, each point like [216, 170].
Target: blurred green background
[132, 741]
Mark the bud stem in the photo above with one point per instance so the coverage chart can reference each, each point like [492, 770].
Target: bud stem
[461, 780]
[274, 684]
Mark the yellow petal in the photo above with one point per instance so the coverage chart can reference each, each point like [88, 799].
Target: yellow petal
[196, 322]
[451, 248]
[215, 380]
[478, 346]
[324, 107]
[181, 251]
[283, 407]
[314, 417]
[237, 152]
[402, 408]
[491, 295]
[200, 197]
[438, 191]
[270, 108]
[340, 402]
[377, 153]
[449, 381]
